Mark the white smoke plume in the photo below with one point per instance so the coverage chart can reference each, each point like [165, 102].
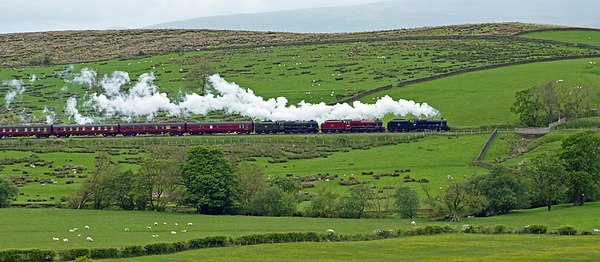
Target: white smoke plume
[50, 115]
[15, 88]
[86, 76]
[72, 111]
[145, 100]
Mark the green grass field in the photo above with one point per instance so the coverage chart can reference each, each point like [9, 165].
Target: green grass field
[484, 98]
[35, 228]
[314, 73]
[420, 248]
[570, 36]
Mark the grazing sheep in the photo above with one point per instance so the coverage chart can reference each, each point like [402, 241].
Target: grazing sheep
[154, 235]
[126, 229]
[156, 223]
[173, 233]
[177, 224]
[89, 239]
[149, 227]
[66, 240]
[330, 231]
[55, 239]
[87, 227]
[413, 223]
[596, 230]
[184, 231]
[190, 224]
[164, 223]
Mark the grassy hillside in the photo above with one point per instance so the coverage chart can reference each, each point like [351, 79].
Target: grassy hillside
[314, 73]
[570, 36]
[485, 98]
[421, 248]
[92, 45]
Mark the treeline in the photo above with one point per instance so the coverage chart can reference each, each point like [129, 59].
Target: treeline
[568, 175]
[551, 101]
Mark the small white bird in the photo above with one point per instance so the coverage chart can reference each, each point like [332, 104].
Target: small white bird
[55, 239]
[66, 240]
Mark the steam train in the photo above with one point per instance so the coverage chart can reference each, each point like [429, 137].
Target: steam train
[240, 127]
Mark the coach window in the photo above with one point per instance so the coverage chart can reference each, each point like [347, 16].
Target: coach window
[77, 129]
[83, 129]
[93, 128]
[45, 129]
[112, 128]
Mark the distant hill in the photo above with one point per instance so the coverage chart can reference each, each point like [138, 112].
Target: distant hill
[403, 14]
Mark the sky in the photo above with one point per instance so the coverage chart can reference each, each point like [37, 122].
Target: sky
[46, 15]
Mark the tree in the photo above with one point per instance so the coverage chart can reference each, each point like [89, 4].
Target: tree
[503, 189]
[209, 181]
[407, 202]
[251, 181]
[120, 190]
[383, 203]
[273, 201]
[457, 201]
[581, 155]
[198, 75]
[8, 191]
[355, 204]
[95, 187]
[527, 108]
[324, 204]
[159, 180]
[285, 184]
[548, 175]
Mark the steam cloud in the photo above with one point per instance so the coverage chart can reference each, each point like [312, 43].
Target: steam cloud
[145, 100]
[50, 115]
[16, 87]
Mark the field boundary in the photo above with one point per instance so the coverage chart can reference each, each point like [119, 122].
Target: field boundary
[484, 150]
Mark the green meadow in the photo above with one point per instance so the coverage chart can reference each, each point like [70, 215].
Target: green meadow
[570, 36]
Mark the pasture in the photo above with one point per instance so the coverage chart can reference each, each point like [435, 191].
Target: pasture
[484, 98]
[571, 36]
[311, 72]
[453, 247]
[35, 228]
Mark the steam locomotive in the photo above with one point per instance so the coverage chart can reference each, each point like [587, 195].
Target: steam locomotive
[240, 127]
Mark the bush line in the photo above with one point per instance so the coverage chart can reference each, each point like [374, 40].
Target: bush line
[18, 255]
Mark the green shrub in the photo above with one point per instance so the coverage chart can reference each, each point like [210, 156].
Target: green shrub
[72, 254]
[535, 229]
[207, 242]
[99, 253]
[133, 251]
[566, 230]
[27, 255]
[383, 233]
[501, 229]
[159, 248]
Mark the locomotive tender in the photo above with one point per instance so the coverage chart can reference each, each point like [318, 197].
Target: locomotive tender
[240, 127]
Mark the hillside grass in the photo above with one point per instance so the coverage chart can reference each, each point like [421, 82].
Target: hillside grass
[35, 228]
[570, 36]
[313, 73]
[484, 98]
[452, 247]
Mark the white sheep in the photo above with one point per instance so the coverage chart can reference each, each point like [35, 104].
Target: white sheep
[149, 227]
[596, 230]
[65, 240]
[126, 229]
[330, 231]
[154, 235]
[87, 227]
[156, 223]
[413, 223]
[164, 223]
[184, 231]
[190, 224]
[173, 233]
[89, 239]
[177, 224]
[55, 239]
